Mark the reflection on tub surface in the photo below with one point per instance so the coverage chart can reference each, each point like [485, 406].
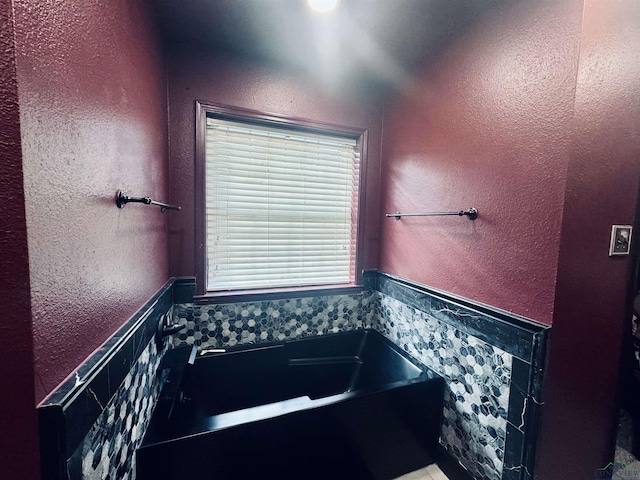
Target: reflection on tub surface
[355, 391]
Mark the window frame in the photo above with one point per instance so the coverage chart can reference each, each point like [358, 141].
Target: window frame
[206, 109]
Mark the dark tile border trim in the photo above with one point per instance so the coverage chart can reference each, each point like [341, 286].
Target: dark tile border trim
[184, 289]
[512, 333]
[260, 296]
[68, 413]
[187, 292]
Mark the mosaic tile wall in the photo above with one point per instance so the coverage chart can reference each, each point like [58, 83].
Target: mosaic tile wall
[229, 324]
[478, 378]
[492, 360]
[478, 374]
[108, 450]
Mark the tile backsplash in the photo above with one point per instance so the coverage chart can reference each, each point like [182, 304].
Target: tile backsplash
[491, 361]
[108, 449]
[477, 375]
[484, 427]
[229, 324]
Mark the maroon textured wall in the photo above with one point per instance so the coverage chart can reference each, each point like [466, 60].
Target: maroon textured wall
[204, 76]
[19, 438]
[533, 117]
[579, 414]
[487, 125]
[93, 118]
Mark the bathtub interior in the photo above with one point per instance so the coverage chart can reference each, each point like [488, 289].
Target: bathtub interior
[349, 405]
[316, 368]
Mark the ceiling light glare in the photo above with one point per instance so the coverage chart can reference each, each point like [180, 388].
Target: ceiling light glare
[322, 6]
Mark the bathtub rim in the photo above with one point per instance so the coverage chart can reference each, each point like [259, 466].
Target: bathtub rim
[159, 432]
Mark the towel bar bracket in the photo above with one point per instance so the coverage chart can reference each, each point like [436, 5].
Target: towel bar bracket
[122, 199]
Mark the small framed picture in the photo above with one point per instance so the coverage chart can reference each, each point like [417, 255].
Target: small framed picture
[620, 240]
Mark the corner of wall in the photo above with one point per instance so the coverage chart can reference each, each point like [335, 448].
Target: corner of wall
[19, 439]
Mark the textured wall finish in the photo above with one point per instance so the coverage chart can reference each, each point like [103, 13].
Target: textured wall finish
[590, 315]
[196, 75]
[93, 115]
[533, 118]
[488, 125]
[19, 439]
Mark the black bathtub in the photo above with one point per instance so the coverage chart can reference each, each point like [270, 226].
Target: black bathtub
[348, 405]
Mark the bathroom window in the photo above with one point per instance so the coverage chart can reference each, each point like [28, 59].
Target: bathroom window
[279, 201]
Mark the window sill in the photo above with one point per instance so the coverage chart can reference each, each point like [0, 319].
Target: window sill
[238, 296]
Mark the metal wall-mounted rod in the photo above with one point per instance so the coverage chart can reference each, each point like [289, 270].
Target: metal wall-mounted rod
[472, 213]
[122, 199]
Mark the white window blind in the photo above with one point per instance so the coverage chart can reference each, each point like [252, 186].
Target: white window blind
[281, 206]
